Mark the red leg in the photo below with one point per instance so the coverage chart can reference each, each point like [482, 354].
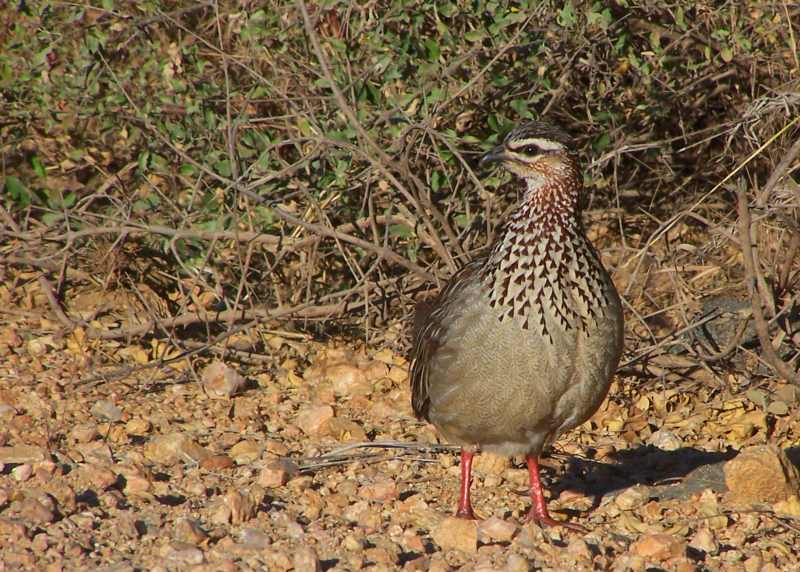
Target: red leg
[464, 504]
[538, 512]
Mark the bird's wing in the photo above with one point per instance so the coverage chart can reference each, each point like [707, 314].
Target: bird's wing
[430, 322]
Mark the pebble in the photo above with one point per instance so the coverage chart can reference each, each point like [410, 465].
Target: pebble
[173, 448]
[705, 541]
[182, 553]
[106, 411]
[255, 539]
[495, 529]
[665, 440]
[343, 430]
[311, 419]
[491, 464]
[245, 452]
[22, 473]
[306, 560]
[7, 412]
[138, 427]
[347, 380]
[580, 549]
[659, 547]
[19, 454]
[84, 432]
[277, 472]
[238, 507]
[138, 481]
[516, 563]
[632, 497]
[217, 462]
[382, 490]
[220, 381]
[34, 511]
[456, 534]
[761, 474]
[188, 530]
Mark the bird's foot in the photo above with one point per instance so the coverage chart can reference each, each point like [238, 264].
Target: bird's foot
[466, 513]
[544, 520]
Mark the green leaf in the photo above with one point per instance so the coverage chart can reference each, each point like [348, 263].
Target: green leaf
[475, 36]
[17, 191]
[601, 143]
[434, 51]
[401, 231]
[38, 167]
[566, 16]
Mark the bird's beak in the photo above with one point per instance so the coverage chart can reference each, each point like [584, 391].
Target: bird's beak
[495, 155]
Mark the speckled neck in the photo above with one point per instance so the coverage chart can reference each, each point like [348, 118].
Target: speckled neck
[544, 271]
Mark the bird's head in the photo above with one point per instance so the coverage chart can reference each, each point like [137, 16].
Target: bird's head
[533, 150]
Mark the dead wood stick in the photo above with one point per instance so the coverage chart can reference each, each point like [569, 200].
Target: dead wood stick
[777, 174]
[384, 252]
[55, 305]
[762, 329]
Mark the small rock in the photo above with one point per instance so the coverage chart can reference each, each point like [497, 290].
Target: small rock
[665, 440]
[245, 452]
[753, 564]
[95, 452]
[704, 541]
[22, 454]
[237, 507]
[33, 511]
[277, 472]
[491, 464]
[516, 563]
[353, 512]
[221, 381]
[352, 543]
[138, 482]
[7, 412]
[13, 529]
[84, 432]
[456, 534]
[790, 506]
[348, 379]
[106, 411]
[217, 462]
[495, 529]
[761, 474]
[306, 559]
[183, 553]
[22, 473]
[375, 370]
[311, 419]
[100, 477]
[343, 430]
[188, 530]
[659, 547]
[398, 374]
[138, 427]
[632, 497]
[255, 539]
[173, 448]
[580, 549]
[383, 490]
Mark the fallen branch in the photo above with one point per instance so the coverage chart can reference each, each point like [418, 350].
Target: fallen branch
[762, 328]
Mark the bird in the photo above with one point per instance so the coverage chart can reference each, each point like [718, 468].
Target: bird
[522, 343]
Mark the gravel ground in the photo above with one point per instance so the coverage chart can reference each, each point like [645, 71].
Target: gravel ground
[313, 460]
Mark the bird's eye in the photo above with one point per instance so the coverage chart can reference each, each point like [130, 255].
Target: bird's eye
[530, 149]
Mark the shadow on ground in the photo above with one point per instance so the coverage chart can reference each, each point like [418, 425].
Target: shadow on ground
[669, 474]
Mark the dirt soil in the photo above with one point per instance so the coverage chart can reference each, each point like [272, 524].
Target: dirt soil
[311, 459]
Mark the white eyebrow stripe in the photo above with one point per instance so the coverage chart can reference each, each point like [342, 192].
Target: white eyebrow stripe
[543, 144]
